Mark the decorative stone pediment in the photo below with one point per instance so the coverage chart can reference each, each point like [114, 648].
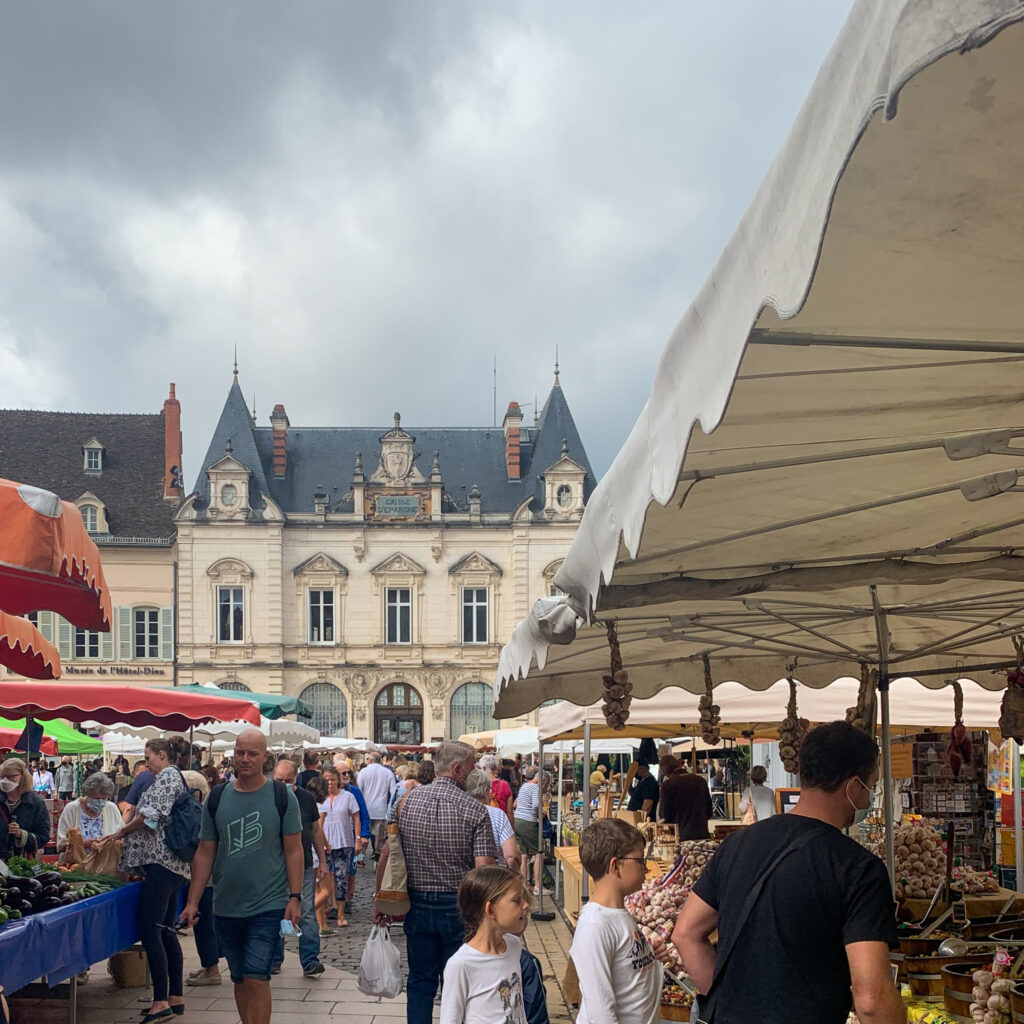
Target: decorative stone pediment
[397, 458]
[398, 564]
[227, 464]
[563, 487]
[230, 570]
[320, 564]
[474, 562]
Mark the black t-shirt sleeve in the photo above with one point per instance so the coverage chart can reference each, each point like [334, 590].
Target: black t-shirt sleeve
[870, 914]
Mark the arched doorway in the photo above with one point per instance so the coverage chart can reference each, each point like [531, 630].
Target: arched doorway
[330, 709]
[398, 715]
[470, 710]
[234, 684]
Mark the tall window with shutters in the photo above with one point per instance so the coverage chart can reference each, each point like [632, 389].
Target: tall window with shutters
[74, 643]
[145, 634]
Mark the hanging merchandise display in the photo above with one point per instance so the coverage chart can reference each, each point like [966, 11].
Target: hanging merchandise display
[617, 688]
[710, 712]
[792, 730]
[863, 715]
[960, 750]
[1011, 718]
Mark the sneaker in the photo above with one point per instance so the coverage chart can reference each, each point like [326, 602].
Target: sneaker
[348, 907]
[313, 970]
[200, 977]
[275, 968]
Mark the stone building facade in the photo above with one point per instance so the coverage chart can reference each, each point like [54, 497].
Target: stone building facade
[373, 572]
[123, 472]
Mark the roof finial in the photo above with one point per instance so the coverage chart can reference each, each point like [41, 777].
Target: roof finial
[236, 362]
[227, 446]
[398, 420]
[565, 448]
[556, 364]
[254, 407]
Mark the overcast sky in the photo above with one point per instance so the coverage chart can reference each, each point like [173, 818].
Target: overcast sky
[375, 199]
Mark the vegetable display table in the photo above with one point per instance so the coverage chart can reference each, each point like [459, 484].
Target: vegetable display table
[60, 944]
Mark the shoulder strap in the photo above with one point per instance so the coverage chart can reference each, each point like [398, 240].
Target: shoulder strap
[281, 801]
[213, 800]
[752, 897]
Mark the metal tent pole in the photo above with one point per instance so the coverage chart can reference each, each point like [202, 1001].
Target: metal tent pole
[540, 914]
[584, 893]
[558, 833]
[1018, 833]
[882, 631]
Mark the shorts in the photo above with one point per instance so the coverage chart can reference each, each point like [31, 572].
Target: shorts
[249, 944]
[526, 835]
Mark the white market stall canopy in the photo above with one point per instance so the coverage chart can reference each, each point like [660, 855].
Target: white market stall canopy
[673, 712]
[279, 732]
[332, 743]
[826, 471]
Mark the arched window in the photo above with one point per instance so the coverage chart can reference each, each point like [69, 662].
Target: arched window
[91, 517]
[330, 709]
[398, 715]
[471, 710]
[234, 684]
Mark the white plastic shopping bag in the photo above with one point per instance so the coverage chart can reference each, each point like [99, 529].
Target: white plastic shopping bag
[379, 969]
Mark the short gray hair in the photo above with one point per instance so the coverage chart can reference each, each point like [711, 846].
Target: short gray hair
[489, 763]
[478, 785]
[100, 783]
[451, 753]
[530, 772]
[373, 757]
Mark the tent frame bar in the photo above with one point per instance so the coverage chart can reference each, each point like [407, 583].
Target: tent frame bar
[759, 336]
[882, 629]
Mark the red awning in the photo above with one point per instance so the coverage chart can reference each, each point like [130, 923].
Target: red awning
[9, 737]
[136, 705]
[48, 560]
[23, 649]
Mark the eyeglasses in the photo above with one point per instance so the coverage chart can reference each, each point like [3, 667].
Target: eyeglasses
[639, 860]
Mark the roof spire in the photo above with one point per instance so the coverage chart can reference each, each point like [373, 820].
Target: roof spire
[236, 362]
[556, 365]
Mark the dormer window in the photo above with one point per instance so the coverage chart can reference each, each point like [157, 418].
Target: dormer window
[564, 497]
[93, 512]
[92, 454]
[91, 517]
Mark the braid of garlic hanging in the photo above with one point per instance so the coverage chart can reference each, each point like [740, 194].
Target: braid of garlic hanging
[617, 687]
[862, 714]
[710, 718]
[791, 733]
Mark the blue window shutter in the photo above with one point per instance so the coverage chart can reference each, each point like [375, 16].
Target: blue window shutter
[65, 639]
[167, 634]
[125, 635]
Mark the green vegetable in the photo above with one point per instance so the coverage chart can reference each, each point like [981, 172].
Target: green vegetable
[21, 866]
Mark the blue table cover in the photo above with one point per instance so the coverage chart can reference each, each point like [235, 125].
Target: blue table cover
[66, 941]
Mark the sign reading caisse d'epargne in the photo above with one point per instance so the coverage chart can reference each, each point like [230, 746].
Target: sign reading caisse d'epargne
[396, 506]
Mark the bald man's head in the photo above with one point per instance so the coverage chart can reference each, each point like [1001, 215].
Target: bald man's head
[250, 753]
[284, 771]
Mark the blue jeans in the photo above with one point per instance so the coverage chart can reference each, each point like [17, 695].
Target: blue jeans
[205, 931]
[249, 943]
[433, 931]
[309, 940]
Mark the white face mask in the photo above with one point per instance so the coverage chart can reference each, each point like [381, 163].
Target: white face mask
[8, 785]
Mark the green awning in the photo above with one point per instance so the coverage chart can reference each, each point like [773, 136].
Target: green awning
[271, 705]
[68, 740]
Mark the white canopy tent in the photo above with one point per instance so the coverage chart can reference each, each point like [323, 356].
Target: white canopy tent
[825, 473]
[126, 739]
[330, 743]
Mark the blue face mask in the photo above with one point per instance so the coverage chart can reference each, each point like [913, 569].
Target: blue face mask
[96, 805]
[860, 813]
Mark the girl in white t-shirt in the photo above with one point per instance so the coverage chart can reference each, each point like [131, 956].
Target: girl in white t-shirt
[483, 981]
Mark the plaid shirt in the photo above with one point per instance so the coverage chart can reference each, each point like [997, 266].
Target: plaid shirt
[443, 830]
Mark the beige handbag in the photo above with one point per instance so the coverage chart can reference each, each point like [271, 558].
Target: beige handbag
[749, 815]
[392, 898]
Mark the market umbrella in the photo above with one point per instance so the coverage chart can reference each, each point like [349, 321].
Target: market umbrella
[833, 484]
[278, 732]
[11, 739]
[24, 650]
[48, 560]
[80, 702]
[271, 705]
[65, 739]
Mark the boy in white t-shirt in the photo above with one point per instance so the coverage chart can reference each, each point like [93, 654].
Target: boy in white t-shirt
[620, 976]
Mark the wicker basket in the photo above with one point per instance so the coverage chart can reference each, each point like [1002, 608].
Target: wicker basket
[673, 1011]
[129, 969]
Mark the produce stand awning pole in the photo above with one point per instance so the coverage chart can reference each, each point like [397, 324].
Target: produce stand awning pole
[540, 914]
[1018, 835]
[558, 832]
[584, 894]
[882, 630]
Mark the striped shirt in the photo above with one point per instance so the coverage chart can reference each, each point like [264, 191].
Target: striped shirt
[443, 831]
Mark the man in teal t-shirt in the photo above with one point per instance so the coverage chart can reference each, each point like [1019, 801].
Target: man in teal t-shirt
[255, 856]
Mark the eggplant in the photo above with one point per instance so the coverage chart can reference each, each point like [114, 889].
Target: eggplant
[34, 885]
[67, 899]
[48, 903]
[24, 906]
[49, 890]
[50, 877]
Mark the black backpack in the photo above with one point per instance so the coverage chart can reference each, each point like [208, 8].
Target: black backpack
[181, 833]
[280, 800]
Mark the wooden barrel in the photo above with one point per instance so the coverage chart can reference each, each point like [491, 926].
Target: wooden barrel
[924, 973]
[911, 946]
[983, 927]
[957, 985]
[1017, 1003]
[1012, 934]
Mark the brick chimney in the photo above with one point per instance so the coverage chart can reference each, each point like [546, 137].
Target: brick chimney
[279, 421]
[174, 483]
[513, 424]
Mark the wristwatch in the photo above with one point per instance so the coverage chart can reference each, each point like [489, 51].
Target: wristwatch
[295, 896]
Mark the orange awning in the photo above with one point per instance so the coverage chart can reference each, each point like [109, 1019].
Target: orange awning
[25, 651]
[48, 560]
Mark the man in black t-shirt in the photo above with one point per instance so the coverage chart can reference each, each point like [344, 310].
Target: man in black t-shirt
[824, 921]
[644, 794]
[312, 836]
[310, 768]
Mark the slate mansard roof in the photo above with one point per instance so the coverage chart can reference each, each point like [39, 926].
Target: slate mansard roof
[327, 455]
[45, 449]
